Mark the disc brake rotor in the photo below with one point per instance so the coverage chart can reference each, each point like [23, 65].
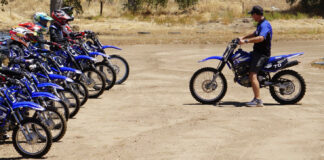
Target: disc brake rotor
[90, 83]
[288, 88]
[32, 138]
[50, 123]
[209, 86]
[116, 68]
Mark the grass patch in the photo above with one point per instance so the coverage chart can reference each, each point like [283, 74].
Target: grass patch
[288, 16]
[94, 17]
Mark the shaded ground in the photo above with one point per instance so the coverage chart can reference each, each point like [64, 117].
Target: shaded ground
[153, 115]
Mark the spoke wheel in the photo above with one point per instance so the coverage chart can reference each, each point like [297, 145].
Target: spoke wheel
[108, 73]
[32, 145]
[289, 87]
[205, 88]
[121, 68]
[94, 81]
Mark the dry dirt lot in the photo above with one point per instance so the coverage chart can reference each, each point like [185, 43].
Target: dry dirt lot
[153, 116]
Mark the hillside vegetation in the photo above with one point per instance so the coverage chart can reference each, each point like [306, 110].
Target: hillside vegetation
[209, 21]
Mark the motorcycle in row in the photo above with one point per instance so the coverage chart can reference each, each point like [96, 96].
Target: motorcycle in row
[41, 89]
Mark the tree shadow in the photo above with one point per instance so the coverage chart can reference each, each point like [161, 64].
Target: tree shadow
[219, 104]
[230, 103]
[12, 158]
[5, 142]
[17, 158]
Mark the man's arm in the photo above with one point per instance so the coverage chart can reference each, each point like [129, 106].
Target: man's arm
[248, 36]
[257, 39]
[265, 29]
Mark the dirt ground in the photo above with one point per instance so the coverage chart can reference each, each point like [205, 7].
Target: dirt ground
[153, 116]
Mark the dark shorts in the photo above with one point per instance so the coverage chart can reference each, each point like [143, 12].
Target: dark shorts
[257, 62]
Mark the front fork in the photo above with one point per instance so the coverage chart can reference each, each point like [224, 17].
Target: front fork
[18, 117]
[220, 67]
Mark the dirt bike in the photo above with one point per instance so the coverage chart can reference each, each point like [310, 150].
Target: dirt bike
[208, 85]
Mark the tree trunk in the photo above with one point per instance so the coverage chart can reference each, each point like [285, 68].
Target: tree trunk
[131, 5]
[101, 7]
[56, 5]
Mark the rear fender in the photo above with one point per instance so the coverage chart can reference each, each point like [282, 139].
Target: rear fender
[294, 55]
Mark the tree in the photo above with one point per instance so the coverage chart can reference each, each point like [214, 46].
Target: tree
[101, 6]
[184, 4]
[74, 3]
[309, 5]
[4, 2]
[138, 5]
[102, 3]
[55, 5]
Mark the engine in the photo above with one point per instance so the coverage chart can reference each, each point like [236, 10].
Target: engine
[242, 74]
[241, 66]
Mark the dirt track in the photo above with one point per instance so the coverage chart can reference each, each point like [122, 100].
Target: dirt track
[153, 115]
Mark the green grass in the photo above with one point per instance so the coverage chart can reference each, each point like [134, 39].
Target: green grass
[226, 17]
[93, 17]
[286, 16]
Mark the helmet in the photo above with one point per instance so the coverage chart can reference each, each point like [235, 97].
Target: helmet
[61, 17]
[24, 33]
[32, 27]
[41, 19]
[68, 10]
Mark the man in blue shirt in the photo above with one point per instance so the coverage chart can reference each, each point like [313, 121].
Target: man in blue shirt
[261, 51]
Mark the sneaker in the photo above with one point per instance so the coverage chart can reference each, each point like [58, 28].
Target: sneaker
[255, 103]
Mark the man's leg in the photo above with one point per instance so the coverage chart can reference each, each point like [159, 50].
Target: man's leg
[255, 84]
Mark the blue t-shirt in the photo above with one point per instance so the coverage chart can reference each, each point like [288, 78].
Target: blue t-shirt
[263, 29]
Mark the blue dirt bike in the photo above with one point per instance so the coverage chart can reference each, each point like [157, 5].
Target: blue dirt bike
[93, 79]
[26, 90]
[208, 85]
[56, 64]
[118, 63]
[30, 137]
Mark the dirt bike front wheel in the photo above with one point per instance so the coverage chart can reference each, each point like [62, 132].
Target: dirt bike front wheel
[208, 85]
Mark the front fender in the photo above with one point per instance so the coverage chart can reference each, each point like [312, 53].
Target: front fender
[54, 69]
[56, 76]
[41, 85]
[92, 54]
[68, 69]
[45, 94]
[211, 58]
[114, 47]
[31, 105]
[80, 57]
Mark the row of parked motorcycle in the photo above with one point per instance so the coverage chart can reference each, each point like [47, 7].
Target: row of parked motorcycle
[42, 89]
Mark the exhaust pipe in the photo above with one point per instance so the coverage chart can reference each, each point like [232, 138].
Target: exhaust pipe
[290, 64]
